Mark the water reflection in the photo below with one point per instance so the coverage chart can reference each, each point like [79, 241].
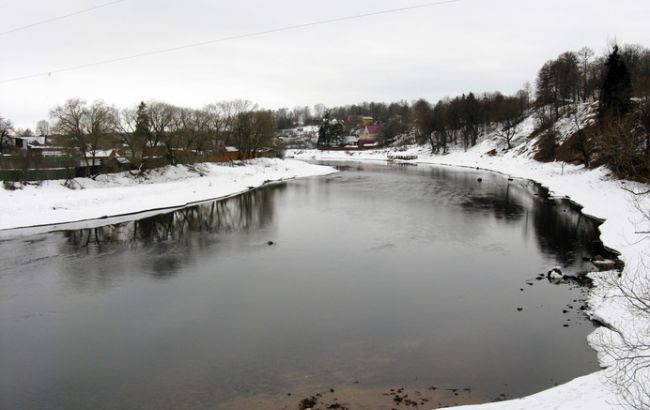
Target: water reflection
[556, 225]
[559, 229]
[251, 210]
[566, 234]
[162, 245]
[504, 202]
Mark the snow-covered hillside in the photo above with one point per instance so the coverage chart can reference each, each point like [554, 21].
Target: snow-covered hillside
[603, 197]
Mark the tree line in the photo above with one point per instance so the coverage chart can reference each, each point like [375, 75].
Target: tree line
[618, 81]
[156, 133]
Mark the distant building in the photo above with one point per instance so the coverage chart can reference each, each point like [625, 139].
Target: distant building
[48, 150]
[370, 132]
[365, 121]
[26, 141]
[101, 157]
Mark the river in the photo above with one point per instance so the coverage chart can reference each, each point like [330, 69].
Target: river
[379, 277]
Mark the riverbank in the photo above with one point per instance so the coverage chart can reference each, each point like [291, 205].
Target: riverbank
[602, 197]
[110, 195]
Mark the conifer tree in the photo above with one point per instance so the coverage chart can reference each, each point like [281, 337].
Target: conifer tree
[141, 134]
[616, 91]
[142, 121]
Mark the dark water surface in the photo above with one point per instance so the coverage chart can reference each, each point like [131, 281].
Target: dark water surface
[378, 277]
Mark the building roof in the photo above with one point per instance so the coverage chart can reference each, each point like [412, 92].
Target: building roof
[374, 129]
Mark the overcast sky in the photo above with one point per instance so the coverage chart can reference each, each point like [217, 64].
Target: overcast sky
[471, 45]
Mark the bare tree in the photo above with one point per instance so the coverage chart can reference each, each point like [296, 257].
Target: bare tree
[192, 132]
[319, 110]
[620, 142]
[630, 352]
[43, 128]
[303, 115]
[68, 121]
[441, 125]
[86, 127]
[160, 117]
[221, 117]
[98, 121]
[6, 127]
[253, 130]
[423, 121]
[471, 120]
[643, 90]
[585, 55]
[509, 115]
[628, 349]
[124, 125]
[524, 95]
[171, 136]
[558, 82]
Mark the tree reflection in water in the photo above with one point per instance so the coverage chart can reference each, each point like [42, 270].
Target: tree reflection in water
[169, 240]
[560, 229]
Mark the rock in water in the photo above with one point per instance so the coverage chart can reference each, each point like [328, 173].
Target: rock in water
[555, 273]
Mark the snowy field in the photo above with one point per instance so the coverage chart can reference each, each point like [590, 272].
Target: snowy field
[602, 197]
[57, 202]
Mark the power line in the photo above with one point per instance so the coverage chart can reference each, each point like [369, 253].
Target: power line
[230, 38]
[65, 16]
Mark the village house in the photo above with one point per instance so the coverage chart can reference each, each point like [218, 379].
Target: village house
[365, 121]
[25, 141]
[370, 132]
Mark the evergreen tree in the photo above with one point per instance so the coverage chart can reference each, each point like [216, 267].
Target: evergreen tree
[330, 132]
[141, 134]
[142, 122]
[324, 132]
[616, 91]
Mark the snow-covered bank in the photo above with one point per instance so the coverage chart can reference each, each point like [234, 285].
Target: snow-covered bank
[52, 202]
[602, 197]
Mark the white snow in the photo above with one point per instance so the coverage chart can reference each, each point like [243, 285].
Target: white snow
[584, 393]
[602, 197]
[117, 194]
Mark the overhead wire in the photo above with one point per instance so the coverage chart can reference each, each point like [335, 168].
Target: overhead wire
[230, 38]
[64, 16]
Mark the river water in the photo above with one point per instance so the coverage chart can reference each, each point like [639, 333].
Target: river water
[378, 277]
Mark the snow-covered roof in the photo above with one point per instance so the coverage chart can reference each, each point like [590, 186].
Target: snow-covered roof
[100, 153]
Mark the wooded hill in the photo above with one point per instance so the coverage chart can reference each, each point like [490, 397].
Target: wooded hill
[617, 83]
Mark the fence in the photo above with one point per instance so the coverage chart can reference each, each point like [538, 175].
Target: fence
[38, 168]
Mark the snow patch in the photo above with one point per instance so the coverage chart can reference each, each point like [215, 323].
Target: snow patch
[54, 202]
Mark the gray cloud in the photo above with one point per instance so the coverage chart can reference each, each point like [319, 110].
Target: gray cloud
[478, 45]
